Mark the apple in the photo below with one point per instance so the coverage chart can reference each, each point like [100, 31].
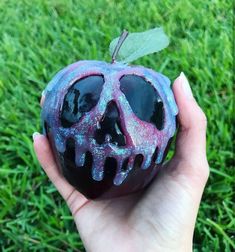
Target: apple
[109, 125]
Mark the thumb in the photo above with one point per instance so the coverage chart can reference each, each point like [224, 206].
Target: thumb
[191, 138]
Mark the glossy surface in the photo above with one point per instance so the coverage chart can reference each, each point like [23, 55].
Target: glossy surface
[80, 177]
[109, 128]
[107, 150]
[143, 99]
[82, 96]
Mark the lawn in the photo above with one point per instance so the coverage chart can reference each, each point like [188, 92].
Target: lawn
[37, 38]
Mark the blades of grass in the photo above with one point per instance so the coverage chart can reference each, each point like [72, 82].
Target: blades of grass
[220, 230]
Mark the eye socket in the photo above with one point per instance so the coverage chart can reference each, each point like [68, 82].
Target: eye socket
[82, 96]
[144, 100]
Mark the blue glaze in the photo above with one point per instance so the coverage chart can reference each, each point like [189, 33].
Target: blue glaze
[142, 137]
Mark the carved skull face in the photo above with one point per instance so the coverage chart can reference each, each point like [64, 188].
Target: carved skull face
[109, 116]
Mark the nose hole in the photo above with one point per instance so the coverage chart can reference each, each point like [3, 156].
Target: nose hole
[138, 160]
[110, 129]
[110, 167]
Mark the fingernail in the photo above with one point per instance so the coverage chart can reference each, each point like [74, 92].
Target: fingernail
[185, 85]
[43, 92]
[35, 134]
[42, 100]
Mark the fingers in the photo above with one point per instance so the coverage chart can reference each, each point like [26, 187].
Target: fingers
[191, 139]
[46, 159]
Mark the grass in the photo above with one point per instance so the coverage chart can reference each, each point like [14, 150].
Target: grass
[37, 38]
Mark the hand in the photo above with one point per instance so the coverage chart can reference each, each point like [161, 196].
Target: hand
[159, 218]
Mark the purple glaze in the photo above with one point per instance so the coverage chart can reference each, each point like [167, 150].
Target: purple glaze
[141, 137]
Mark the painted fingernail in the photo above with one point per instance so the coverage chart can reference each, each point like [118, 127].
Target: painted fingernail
[185, 86]
[35, 134]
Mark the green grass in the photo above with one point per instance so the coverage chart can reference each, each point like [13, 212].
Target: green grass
[37, 38]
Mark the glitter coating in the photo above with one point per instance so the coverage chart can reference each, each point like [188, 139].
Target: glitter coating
[141, 137]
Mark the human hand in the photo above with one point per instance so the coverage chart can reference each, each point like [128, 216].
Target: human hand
[159, 218]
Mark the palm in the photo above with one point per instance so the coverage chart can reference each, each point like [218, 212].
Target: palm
[169, 200]
[159, 218]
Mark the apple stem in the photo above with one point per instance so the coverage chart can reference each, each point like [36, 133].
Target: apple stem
[119, 44]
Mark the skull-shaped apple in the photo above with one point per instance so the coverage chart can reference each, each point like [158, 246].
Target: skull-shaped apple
[109, 125]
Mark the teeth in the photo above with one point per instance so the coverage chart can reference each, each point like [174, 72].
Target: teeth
[97, 175]
[80, 156]
[160, 156]
[80, 159]
[97, 172]
[146, 163]
[120, 175]
[130, 163]
[98, 125]
[119, 178]
[98, 169]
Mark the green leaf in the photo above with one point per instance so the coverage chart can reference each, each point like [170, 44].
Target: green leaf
[139, 44]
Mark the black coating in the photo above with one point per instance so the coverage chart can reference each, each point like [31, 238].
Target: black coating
[143, 99]
[110, 126]
[82, 96]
